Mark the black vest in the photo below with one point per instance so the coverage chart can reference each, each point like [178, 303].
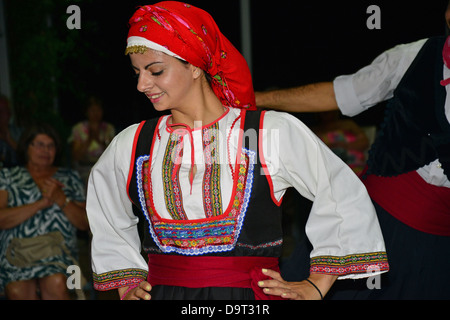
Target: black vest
[415, 130]
[261, 233]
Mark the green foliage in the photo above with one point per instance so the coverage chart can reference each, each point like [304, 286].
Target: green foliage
[41, 48]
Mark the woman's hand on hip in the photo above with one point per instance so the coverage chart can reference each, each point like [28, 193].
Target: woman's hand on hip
[141, 292]
[302, 290]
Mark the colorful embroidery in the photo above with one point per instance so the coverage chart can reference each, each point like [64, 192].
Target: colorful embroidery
[198, 236]
[118, 278]
[212, 199]
[170, 175]
[360, 263]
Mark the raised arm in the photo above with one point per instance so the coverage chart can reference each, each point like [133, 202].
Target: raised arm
[308, 98]
[353, 93]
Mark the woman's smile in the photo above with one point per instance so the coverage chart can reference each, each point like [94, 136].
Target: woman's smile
[155, 97]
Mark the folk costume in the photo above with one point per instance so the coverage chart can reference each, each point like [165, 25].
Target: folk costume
[409, 162]
[208, 236]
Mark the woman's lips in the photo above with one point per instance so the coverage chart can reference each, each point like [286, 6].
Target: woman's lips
[155, 97]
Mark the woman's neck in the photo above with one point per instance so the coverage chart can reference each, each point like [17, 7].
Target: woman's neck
[198, 118]
[38, 171]
[206, 108]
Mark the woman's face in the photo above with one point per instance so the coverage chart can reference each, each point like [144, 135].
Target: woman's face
[165, 80]
[95, 112]
[42, 151]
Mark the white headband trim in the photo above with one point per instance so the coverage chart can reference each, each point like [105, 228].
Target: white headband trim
[135, 41]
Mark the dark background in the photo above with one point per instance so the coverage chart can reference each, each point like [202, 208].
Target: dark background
[293, 43]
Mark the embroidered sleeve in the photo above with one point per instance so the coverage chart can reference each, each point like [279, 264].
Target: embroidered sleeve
[116, 247]
[118, 278]
[351, 266]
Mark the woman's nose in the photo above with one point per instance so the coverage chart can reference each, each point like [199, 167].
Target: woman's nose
[144, 83]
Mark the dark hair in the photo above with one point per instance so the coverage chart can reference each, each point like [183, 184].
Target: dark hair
[92, 100]
[30, 134]
[207, 76]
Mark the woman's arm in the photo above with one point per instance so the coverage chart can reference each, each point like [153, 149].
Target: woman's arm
[342, 224]
[79, 149]
[116, 245]
[75, 211]
[12, 217]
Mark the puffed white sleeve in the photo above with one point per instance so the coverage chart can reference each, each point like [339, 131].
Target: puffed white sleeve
[116, 246]
[342, 226]
[355, 93]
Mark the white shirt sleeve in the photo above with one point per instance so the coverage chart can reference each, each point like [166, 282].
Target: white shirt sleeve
[342, 220]
[115, 243]
[376, 82]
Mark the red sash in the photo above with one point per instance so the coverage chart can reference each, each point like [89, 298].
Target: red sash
[208, 271]
[413, 201]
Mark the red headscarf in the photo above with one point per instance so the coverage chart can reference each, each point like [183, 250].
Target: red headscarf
[189, 33]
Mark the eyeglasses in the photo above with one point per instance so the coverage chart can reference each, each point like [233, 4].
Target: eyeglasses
[42, 146]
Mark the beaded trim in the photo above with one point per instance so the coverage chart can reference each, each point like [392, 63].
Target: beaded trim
[136, 49]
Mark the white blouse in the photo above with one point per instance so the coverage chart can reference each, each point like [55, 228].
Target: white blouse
[376, 83]
[342, 221]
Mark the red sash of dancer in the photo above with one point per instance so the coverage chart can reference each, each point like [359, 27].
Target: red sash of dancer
[413, 201]
[208, 271]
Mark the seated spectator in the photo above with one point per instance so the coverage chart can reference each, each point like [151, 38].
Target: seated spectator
[41, 208]
[90, 138]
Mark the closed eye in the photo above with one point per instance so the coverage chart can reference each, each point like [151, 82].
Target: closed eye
[157, 73]
[137, 73]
